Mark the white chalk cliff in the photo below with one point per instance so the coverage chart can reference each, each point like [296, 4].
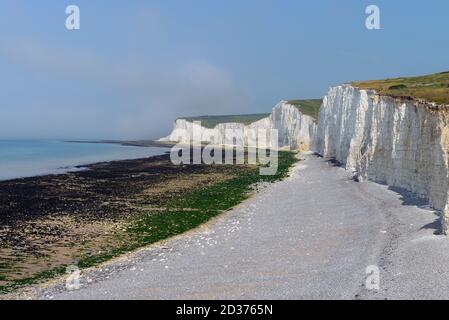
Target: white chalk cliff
[402, 143]
[295, 130]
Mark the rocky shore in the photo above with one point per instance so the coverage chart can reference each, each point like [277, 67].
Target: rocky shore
[51, 221]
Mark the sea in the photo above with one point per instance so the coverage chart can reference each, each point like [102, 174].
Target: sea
[28, 158]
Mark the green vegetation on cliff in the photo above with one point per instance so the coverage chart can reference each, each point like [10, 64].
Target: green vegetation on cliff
[433, 88]
[310, 107]
[212, 121]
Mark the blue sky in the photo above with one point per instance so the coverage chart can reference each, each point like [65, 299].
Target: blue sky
[136, 65]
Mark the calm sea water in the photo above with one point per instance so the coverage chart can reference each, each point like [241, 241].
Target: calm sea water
[26, 158]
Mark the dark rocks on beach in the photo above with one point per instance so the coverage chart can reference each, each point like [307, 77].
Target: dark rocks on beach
[41, 215]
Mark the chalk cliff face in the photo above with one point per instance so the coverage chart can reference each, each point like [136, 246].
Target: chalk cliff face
[401, 143]
[295, 130]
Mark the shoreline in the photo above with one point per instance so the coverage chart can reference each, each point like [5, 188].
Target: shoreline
[130, 143]
[80, 164]
[88, 217]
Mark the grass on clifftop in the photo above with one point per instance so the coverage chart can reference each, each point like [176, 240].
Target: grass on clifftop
[211, 121]
[310, 107]
[433, 88]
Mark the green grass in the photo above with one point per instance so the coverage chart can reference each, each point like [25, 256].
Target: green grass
[180, 215]
[433, 88]
[310, 107]
[212, 121]
[203, 204]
